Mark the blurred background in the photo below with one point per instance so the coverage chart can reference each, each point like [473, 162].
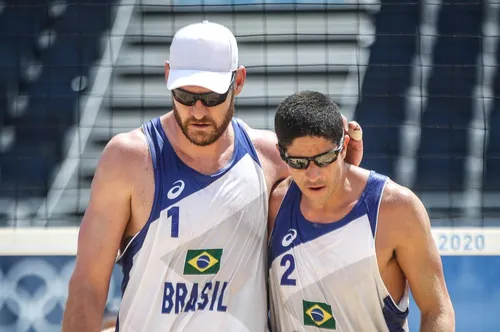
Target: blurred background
[421, 76]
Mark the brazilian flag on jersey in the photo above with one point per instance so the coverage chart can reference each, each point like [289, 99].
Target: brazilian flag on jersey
[319, 314]
[202, 261]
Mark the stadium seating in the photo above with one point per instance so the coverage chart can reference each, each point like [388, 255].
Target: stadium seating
[492, 176]
[284, 50]
[447, 117]
[425, 82]
[384, 52]
[48, 51]
[409, 71]
[387, 78]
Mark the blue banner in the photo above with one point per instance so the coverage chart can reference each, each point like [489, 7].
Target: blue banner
[33, 291]
[474, 287]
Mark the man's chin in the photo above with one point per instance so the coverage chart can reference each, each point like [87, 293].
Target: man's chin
[201, 139]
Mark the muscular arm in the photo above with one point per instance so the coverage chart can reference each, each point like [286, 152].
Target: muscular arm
[100, 235]
[418, 257]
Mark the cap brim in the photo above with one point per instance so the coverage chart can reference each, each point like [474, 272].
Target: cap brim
[214, 81]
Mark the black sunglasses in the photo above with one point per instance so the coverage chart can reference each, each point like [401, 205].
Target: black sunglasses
[209, 99]
[321, 160]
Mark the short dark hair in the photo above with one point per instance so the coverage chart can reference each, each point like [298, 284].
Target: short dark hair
[308, 113]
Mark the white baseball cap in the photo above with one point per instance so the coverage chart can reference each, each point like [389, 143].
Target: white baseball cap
[203, 54]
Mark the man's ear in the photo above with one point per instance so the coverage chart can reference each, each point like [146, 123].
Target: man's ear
[239, 80]
[347, 138]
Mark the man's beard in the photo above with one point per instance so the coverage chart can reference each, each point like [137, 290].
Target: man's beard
[205, 137]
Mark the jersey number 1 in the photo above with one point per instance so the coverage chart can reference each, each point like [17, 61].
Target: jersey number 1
[173, 214]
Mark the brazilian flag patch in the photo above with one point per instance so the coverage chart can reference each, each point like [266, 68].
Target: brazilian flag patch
[202, 261]
[319, 315]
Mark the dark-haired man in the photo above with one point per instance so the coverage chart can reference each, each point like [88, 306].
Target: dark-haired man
[346, 243]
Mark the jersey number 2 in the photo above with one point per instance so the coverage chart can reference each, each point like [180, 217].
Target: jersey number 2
[290, 267]
[173, 213]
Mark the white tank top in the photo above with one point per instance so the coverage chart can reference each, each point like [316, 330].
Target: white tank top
[199, 263]
[325, 277]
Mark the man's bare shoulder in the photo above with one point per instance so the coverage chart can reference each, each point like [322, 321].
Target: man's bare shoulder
[394, 193]
[401, 209]
[130, 144]
[125, 151]
[397, 196]
[133, 141]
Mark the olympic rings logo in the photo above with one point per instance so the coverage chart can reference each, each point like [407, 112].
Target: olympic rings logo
[35, 293]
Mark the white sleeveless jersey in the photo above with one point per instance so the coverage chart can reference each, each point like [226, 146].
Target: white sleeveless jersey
[325, 277]
[199, 263]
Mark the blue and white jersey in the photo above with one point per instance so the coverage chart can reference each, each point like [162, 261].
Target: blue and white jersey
[199, 263]
[325, 277]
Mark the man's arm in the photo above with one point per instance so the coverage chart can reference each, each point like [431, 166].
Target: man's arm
[101, 231]
[418, 257]
[276, 198]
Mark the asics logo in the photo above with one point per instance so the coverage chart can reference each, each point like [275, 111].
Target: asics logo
[289, 237]
[176, 190]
